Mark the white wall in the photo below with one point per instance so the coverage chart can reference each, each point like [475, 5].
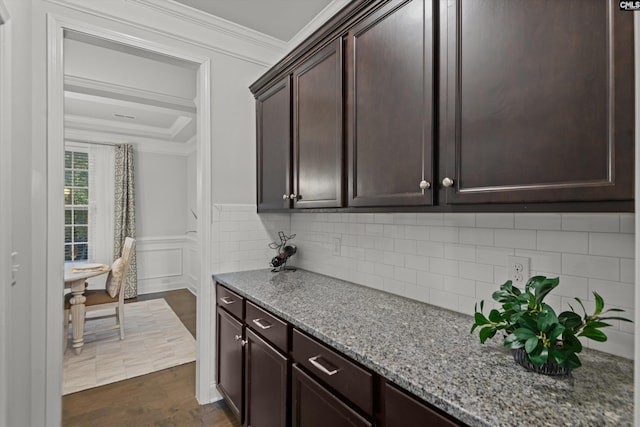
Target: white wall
[455, 260]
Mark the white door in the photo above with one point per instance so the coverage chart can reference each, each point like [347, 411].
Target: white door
[6, 261]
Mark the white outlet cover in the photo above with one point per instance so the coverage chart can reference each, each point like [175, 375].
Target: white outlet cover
[518, 270]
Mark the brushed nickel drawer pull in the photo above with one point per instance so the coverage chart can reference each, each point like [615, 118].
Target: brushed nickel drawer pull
[227, 300]
[318, 365]
[260, 323]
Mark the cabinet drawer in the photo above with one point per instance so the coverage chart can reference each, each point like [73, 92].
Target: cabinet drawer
[229, 300]
[268, 326]
[401, 410]
[335, 370]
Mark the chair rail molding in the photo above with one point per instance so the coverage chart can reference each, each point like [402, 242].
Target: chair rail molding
[94, 25]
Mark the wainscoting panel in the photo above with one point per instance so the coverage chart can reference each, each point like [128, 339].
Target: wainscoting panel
[161, 263]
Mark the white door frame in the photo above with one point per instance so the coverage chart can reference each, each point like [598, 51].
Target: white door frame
[6, 241]
[55, 209]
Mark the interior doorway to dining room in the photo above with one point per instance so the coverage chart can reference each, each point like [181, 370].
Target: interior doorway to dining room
[170, 134]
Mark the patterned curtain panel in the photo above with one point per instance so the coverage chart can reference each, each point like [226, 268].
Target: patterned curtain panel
[125, 212]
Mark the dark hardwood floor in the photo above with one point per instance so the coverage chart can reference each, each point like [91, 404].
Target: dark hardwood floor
[163, 398]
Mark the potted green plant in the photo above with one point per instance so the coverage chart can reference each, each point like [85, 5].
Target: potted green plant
[541, 340]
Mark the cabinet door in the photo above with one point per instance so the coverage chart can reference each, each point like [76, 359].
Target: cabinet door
[273, 109]
[314, 406]
[229, 360]
[390, 84]
[537, 102]
[317, 123]
[266, 384]
[402, 410]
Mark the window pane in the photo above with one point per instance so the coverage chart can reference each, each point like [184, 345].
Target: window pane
[67, 196]
[80, 197]
[67, 235]
[68, 178]
[81, 217]
[67, 216]
[80, 160]
[67, 252]
[82, 252]
[80, 233]
[67, 159]
[81, 178]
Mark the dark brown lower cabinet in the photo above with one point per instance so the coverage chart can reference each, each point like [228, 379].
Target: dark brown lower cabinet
[402, 410]
[266, 384]
[229, 354]
[315, 406]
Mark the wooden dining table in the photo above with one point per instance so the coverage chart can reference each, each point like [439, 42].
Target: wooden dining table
[75, 275]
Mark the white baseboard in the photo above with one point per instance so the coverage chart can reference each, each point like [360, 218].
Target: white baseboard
[214, 394]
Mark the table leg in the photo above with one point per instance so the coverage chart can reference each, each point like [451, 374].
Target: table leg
[77, 315]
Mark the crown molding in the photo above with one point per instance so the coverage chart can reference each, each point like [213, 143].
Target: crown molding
[132, 129]
[245, 49]
[212, 22]
[90, 86]
[146, 145]
[325, 14]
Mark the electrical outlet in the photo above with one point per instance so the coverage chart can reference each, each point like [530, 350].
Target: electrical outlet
[337, 245]
[518, 268]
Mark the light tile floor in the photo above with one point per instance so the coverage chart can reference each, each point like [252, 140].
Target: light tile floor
[155, 339]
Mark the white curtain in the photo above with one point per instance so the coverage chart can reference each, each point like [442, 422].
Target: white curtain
[101, 206]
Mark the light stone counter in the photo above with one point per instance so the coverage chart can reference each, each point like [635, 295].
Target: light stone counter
[429, 351]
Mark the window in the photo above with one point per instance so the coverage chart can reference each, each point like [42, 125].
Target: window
[76, 206]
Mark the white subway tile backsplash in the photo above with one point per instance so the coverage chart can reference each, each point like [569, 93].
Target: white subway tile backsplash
[476, 236]
[460, 252]
[495, 220]
[618, 342]
[444, 234]
[460, 286]
[627, 270]
[472, 270]
[563, 241]
[519, 239]
[627, 223]
[598, 267]
[542, 221]
[416, 262]
[446, 267]
[432, 249]
[612, 244]
[614, 293]
[591, 222]
[455, 260]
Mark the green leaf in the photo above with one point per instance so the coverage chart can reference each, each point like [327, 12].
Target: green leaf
[495, 316]
[486, 333]
[581, 305]
[542, 286]
[531, 344]
[556, 331]
[599, 303]
[570, 319]
[597, 324]
[524, 333]
[546, 318]
[512, 341]
[538, 359]
[480, 319]
[557, 356]
[594, 334]
[528, 322]
[570, 342]
[622, 319]
[572, 361]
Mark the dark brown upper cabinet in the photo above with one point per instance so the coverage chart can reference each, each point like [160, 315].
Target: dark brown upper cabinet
[317, 124]
[536, 101]
[390, 106]
[273, 108]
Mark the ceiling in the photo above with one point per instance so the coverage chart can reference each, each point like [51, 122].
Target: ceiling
[281, 19]
[117, 93]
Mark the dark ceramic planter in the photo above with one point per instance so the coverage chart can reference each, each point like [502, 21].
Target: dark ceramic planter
[520, 356]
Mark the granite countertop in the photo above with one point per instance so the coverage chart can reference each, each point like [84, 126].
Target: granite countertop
[429, 351]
